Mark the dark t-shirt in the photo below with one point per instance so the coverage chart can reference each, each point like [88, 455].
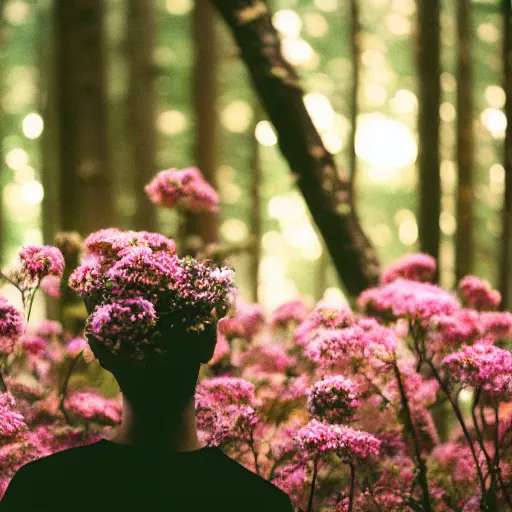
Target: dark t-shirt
[107, 476]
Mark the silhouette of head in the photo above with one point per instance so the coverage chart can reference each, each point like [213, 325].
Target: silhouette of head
[170, 378]
[152, 315]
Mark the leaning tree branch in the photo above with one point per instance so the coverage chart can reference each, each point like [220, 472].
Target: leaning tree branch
[325, 189]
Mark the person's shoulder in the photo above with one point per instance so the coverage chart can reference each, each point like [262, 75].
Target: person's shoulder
[65, 458]
[246, 482]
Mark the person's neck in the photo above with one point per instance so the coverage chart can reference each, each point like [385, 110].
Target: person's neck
[160, 426]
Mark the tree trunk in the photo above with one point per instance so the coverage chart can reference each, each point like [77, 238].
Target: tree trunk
[429, 92]
[2, 183]
[86, 182]
[356, 52]
[464, 239]
[506, 243]
[205, 93]
[326, 191]
[141, 35]
[256, 220]
[49, 138]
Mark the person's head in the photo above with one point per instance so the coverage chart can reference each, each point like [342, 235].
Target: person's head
[168, 379]
[152, 316]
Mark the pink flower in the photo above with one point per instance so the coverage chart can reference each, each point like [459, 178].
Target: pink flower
[449, 331]
[11, 421]
[49, 329]
[222, 350]
[122, 327]
[268, 357]
[405, 298]
[86, 279]
[245, 321]
[12, 325]
[456, 459]
[33, 344]
[290, 312]
[94, 407]
[330, 346]
[141, 271]
[227, 390]
[326, 317]
[415, 267]
[51, 286]
[39, 261]
[185, 188]
[293, 480]
[108, 242]
[478, 294]
[482, 365]
[30, 393]
[334, 399]
[319, 438]
[75, 346]
[496, 325]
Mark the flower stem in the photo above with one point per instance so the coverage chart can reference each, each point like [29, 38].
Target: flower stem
[422, 468]
[34, 291]
[64, 388]
[255, 455]
[313, 483]
[458, 414]
[352, 486]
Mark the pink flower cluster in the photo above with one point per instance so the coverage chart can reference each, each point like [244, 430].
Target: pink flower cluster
[12, 325]
[107, 243]
[223, 413]
[11, 421]
[319, 438]
[51, 286]
[33, 344]
[456, 459]
[367, 337]
[334, 399]
[40, 261]
[484, 366]
[227, 390]
[28, 392]
[410, 299]
[121, 327]
[49, 329]
[478, 294]
[128, 265]
[289, 313]
[244, 321]
[95, 408]
[186, 189]
[415, 267]
[267, 357]
[323, 316]
[75, 346]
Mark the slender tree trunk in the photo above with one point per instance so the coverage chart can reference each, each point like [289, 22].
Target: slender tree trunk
[86, 181]
[51, 220]
[205, 93]
[356, 53]
[464, 239]
[141, 35]
[256, 221]
[49, 138]
[506, 243]
[429, 91]
[326, 192]
[2, 183]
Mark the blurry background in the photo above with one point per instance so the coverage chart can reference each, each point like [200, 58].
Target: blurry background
[169, 89]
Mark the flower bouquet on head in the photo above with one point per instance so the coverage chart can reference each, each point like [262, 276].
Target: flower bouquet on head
[135, 286]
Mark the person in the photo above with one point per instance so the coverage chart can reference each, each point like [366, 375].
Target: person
[156, 461]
